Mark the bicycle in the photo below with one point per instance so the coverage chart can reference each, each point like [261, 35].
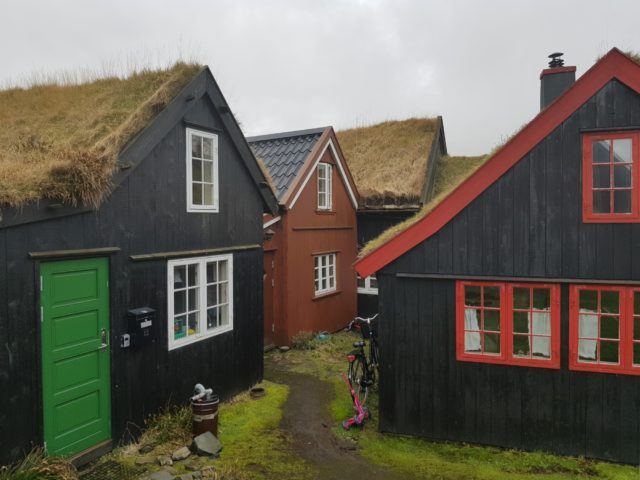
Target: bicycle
[363, 368]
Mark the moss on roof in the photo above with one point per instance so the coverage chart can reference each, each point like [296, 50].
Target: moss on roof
[62, 141]
[450, 172]
[388, 161]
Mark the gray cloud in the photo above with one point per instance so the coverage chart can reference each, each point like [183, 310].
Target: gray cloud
[299, 64]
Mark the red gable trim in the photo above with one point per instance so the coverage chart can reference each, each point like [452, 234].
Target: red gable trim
[613, 65]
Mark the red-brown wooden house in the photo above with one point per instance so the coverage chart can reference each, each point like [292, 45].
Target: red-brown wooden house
[309, 279]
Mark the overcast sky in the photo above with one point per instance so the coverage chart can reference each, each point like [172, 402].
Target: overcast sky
[288, 65]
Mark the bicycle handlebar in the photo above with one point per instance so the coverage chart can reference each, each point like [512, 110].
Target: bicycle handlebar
[357, 320]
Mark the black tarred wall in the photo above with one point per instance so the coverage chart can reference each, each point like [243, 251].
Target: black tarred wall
[145, 214]
[528, 224]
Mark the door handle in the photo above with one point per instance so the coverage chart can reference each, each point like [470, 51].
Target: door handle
[103, 339]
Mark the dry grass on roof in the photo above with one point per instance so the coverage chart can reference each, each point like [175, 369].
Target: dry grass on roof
[388, 161]
[62, 141]
[450, 173]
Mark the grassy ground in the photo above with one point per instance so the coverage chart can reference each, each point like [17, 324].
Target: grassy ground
[421, 459]
[253, 446]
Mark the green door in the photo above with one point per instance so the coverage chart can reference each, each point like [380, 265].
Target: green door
[75, 356]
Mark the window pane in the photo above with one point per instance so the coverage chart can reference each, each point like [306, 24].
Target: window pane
[472, 342]
[609, 352]
[492, 320]
[472, 296]
[373, 281]
[541, 299]
[322, 200]
[223, 293]
[207, 189]
[622, 176]
[588, 326]
[636, 353]
[207, 148]
[492, 343]
[193, 324]
[196, 170]
[211, 272]
[521, 322]
[601, 177]
[207, 171]
[600, 151]
[193, 299]
[622, 150]
[196, 146]
[212, 318]
[588, 301]
[212, 295]
[609, 327]
[541, 323]
[471, 319]
[192, 274]
[521, 298]
[636, 303]
[224, 315]
[610, 302]
[360, 282]
[521, 346]
[541, 347]
[197, 193]
[491, 297]
[222, 270]
[180, 327]
[622, 201]
[636, 328]
[179, 274]
[587, 350]
[179, 302]
[601, 201]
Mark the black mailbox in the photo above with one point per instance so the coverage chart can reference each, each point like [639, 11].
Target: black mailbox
[141, 322]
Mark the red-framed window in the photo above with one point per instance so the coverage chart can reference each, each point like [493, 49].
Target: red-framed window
[508, 323]
[610, 177]
[604, 329]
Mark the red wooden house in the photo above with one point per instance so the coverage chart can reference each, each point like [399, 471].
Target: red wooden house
[309, 279]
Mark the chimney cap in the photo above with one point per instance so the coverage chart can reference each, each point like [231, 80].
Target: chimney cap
[556, 60]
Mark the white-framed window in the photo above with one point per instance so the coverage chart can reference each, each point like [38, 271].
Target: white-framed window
[368, 285]
[325, 187]
[325, 273]
[202, 171]
[199, 297]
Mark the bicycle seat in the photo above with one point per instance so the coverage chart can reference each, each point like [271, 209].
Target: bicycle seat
[358, 344]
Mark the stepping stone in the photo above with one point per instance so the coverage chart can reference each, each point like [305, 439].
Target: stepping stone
[161, 475]
[206, 444]
[180, 454]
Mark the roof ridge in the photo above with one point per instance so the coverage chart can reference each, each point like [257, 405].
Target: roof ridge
[290, 134]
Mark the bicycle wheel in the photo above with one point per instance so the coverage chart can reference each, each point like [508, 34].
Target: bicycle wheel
[358, 379]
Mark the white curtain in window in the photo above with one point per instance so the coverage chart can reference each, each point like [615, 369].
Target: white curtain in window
[588, 326]
[471, 322]
[541, 326]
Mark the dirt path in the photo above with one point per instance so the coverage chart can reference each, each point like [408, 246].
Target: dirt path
[307, 420]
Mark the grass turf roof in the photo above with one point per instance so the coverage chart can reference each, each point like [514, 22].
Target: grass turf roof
[61, 142]
[450, 173]
[388, 160]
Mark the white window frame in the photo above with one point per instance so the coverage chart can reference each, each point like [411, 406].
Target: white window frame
[214, 207]
[326, 170]
[321, 264]
[202, 333]
[367, 289]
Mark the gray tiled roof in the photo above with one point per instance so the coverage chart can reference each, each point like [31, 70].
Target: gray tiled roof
[284, 154]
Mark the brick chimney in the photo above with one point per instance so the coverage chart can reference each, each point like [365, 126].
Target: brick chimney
[555, 80]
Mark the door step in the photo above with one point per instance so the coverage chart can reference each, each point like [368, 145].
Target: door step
[90, 454]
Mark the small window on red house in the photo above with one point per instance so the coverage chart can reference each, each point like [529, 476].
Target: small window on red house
[610, 177]
[605, 329]
[509, 323]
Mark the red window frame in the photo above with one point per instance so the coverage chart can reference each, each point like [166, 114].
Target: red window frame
[625, 331]
[506, 356]
[588, 214]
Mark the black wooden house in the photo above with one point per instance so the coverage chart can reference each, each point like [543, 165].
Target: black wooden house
[511, 309]
[130, 269]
